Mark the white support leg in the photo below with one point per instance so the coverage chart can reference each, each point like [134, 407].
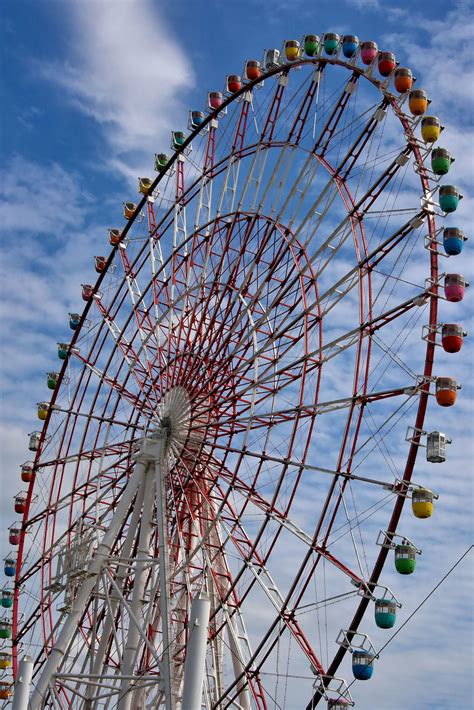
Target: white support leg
[102, 553]
[107, 629]
[161, 517]
[22, 685]
[221, 565]
[195, 663]
[142, 558]
[238, 666]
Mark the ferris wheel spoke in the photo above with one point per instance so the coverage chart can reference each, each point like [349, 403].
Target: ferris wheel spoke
[392, 355]
[275, 108]
[350, 338]
[379, 429]
[219, 330]
[372, 259]
[204, 206]
[97, 418]
[116, 449]
[275, 417]
[305, 106]
[346, 165]
[129, 355]
[237, 483]
[332, 123]
[350, 523]
[235, 532]
[363, 204]
[226, 200]
[271, 511]
[144, 323]
[328, 243]
[334, 347]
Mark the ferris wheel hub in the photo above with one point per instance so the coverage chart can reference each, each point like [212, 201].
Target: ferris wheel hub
[175, 418]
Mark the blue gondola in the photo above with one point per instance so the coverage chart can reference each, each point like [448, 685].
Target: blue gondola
[362, 664]
[453, 240]
[350, 45]
[74, 319]
[10, 567]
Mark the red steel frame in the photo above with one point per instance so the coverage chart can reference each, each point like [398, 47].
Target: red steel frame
[147, 399]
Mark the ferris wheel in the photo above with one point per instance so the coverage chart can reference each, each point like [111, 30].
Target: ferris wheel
[224, 460]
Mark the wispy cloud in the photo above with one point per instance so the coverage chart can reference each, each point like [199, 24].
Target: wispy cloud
[28, 116]
[47, 238]
[33, 198]
[364, 4]
[124, 68]
[443, 60]
[125, 71]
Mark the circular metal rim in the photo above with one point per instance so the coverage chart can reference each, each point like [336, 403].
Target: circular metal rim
[282, 69]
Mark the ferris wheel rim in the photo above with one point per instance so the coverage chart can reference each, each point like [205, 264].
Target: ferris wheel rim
[249, 87]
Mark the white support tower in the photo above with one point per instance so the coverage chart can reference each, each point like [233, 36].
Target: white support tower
[22, 685]
[195, 663]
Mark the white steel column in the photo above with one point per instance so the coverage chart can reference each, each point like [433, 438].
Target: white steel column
[163, 567]
[219, 563]
[195, 663]
[102, 553]
[22, 685]
[238, 665]
[106, 630]
[136, 607]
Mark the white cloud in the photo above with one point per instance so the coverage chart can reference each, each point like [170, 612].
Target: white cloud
[48, 241]
[364, 4]
[126, 72]
[443, 61]
[34, 198]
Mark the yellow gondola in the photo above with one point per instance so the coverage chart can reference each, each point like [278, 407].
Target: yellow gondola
[422, 503]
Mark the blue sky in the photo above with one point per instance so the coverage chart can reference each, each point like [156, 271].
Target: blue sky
[91, 90]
